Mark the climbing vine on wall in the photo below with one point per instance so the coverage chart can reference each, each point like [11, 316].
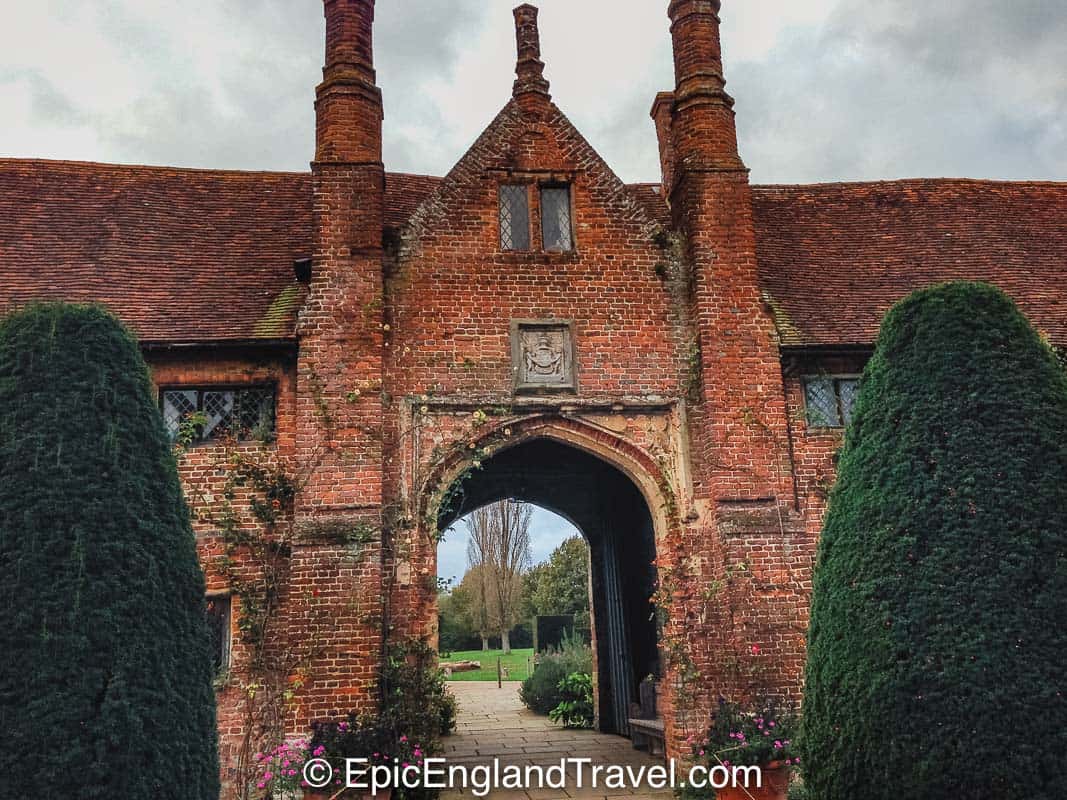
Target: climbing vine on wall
[254, 521]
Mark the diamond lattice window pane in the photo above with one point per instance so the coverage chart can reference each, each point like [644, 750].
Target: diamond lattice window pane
[848, 389]
[514, 218]
[556, 218]
[821, 403]
[255, 412]
[218, 413]
[177, 405]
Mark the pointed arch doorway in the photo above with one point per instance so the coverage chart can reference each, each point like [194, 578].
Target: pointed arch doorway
[611, 512]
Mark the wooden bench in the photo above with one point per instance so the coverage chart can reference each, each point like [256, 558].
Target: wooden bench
[647, 731]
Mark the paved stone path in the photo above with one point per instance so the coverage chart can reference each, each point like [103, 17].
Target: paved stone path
[493, 724]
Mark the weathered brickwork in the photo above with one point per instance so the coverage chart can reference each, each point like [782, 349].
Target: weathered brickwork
[409, 347]
[406, 378]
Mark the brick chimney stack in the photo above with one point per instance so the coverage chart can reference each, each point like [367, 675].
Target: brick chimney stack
[705, 134]
[339, 412]
[349, 103]
[531, 87]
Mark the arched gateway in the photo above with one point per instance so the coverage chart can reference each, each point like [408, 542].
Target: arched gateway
[357, 356]
[569, 470]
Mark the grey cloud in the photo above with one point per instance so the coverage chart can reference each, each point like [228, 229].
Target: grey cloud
[882, 89]
[264, 118]
[48, 105]
[911, 88]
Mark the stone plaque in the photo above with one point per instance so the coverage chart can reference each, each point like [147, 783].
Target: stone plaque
[543, 356]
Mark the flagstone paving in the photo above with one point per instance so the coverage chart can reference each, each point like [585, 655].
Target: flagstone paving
[493, 724]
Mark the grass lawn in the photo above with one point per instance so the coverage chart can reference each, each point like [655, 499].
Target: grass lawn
[516, 664]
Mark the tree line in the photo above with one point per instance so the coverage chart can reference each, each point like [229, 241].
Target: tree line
[501, 592]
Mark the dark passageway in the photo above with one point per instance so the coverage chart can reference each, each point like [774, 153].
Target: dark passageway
[610, 511]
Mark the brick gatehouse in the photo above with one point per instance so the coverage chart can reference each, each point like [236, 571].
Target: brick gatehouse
[669, 365]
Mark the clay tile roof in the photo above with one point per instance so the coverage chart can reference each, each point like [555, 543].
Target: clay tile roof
[403, 194]
[181, 255]
[833, 258]
[650, 196]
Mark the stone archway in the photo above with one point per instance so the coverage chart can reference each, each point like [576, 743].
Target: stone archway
[612, 492]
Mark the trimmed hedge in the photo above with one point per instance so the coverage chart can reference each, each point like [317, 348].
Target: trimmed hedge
[936, 656]
[105, 680]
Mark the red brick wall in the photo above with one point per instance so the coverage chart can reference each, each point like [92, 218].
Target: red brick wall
[679, 373]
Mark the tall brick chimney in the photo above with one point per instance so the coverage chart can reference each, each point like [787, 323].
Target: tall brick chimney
[349, 103]
[711, 204]
[338, 449]
[742, 477]
[705, 134]
[531, 87]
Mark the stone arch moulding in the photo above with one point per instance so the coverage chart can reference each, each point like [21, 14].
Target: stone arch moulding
[658, 488]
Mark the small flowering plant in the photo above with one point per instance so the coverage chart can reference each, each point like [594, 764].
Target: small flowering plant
[281, 770]
[756, 735]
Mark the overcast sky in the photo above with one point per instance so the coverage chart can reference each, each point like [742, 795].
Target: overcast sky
[547, 531]
[826, 89]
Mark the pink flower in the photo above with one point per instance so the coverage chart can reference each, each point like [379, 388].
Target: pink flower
[778, 744]
[403, 738]
[755, 649]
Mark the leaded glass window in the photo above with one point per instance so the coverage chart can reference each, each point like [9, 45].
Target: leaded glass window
[847, 389]
[556, 218]
[218, 619]
[202, 414]
[829, 401]
[514, 217]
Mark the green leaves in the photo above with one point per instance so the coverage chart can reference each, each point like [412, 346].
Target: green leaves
[939, 594]
[106, 681]
[575, 709]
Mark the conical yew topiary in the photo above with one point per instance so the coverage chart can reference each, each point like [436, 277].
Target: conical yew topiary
[106, 668]
[937, 653]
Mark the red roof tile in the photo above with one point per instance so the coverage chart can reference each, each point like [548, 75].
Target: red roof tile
[180, 255]
[833, 258]
[201, 255]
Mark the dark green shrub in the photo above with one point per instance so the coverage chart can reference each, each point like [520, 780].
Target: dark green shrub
[416, 703]
[575, 708]
[936, 650]
[106, 675]
[540, 692]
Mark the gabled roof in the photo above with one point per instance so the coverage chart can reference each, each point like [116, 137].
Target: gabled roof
[206, 256]
[181, 255]
[519, 140]
[833, 258]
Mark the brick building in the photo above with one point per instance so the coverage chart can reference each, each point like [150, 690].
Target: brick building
[669, 366]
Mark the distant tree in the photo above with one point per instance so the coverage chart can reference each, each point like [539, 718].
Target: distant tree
[528, 597]
[453, 629]
[106, 675]
[499, 547]
[561, 584]
[936, 650]
[466, 611]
